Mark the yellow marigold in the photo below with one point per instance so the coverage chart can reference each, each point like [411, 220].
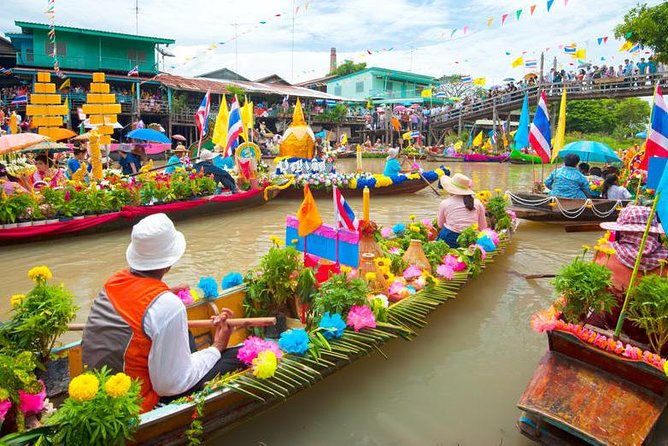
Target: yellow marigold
[352, 184]
[345, 269]
[118, 385]
[586, 248]
[665, 367]
[370, 276]
[412, 217]
[276, 240]
[40, 274]
[498, 190]
[16, 299]
[84, 387]
[264, 364]
[414, 228]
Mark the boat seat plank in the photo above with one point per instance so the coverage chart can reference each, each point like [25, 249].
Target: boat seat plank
[590, 403]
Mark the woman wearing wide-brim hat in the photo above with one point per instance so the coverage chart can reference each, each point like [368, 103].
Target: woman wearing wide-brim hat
[460, 210]
[176, 160]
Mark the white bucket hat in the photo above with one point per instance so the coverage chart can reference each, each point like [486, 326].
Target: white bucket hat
[206, 155]
[392, 153]
[155, 244]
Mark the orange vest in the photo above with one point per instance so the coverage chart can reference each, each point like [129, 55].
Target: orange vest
[131, 296]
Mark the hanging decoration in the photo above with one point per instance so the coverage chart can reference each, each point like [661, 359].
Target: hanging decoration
[45, 110]
[51, 15]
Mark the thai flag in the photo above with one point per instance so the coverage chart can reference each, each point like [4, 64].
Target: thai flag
[492, 137]
[570, 49]
[134, 71]
[285, 101]
[440, 94]
[343, 213]
[234, 127]
[466, 79]
[20, 99]
[530, 63]
[202, 114]
[657, 139]
[415, 134]
[539, 132]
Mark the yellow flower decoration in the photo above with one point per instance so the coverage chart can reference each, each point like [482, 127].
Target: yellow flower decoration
[345, 269]
[388, 276]
[4, 394]
[195, 294]
[40, 274]
[586, 248]
[264, 364]
[414, 228]
[16, 300]
[352, 184]
[118, 385]
[276, 241]
[84, 387]
[370, 276]
[498, 190]
[381, 261]
[412, 217]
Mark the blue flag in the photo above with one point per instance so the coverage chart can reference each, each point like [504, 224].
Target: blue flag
[662, 205]
[522, 133]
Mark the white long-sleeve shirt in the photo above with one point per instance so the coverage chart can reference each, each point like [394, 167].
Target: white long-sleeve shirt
[172, 367]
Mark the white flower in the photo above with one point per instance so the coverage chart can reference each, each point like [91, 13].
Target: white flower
[383, 298]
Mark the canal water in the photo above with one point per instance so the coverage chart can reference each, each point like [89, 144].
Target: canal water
[457, 383]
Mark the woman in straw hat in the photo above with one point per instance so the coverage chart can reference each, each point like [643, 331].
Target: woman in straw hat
[460, 210]
[176, 160]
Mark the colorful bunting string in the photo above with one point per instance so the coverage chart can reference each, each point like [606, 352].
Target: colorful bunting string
[51, 15]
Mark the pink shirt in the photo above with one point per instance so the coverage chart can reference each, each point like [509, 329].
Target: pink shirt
[453, 214]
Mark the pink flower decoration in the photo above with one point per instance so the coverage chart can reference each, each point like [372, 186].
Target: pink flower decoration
[428, 223]
[30, 403]
[454, 263]
[482, 251]
[419, 283]
[412, 272]
[492, 234]
[386, 232]
[511, 214]
[361, 316]
[445, 271]
[185, 296]
[394, 250]
[253, 346]
[396, 288]
[4, 408]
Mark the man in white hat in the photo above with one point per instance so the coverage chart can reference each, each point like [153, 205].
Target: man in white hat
[137, 324]
[207, 166]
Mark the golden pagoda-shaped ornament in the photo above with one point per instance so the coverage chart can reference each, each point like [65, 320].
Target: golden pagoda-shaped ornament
[298, 140]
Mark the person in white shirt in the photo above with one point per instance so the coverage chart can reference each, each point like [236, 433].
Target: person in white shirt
[612, 191]
[139, 326]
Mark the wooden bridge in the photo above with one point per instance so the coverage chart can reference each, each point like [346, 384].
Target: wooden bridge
[609, 88]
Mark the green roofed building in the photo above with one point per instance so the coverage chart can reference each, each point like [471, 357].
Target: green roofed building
[381, 85]
[85, 49]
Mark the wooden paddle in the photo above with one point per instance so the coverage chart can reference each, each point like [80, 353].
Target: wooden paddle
[539, 276]
[585, 227]
[208, 323]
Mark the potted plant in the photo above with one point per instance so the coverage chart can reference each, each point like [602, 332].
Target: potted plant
[585, 288]
[38, 319]
[648, 309]
[338, 295]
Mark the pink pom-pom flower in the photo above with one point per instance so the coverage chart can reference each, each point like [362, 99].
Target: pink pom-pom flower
[445, 271]
[386, 232]
[32, 403]
[253, 346]
[185, 296]
[5, 405]
[361, 316]
[454, 263]
[412, 272]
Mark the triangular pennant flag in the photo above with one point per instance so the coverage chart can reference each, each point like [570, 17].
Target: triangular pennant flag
[503, 18]
[518, 13]
[466, 28]
[549, 4]
[532, 9]
[599, 40]
[489, 22]
[605, 39]
[453, 32]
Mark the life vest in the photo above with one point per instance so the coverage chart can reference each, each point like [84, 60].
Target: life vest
[114, 333]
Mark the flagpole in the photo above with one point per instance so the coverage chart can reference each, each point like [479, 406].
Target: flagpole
[336, 226]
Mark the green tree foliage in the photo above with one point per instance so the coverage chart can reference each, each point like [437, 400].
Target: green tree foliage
[607, 116]
[647, 26]
[348, 67]
[453, 87]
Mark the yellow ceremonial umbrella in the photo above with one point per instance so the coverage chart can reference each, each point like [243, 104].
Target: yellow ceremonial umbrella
[13, 143]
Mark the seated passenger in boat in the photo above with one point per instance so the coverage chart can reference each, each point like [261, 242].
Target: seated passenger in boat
[627, 234]
[223, 162]
[128, 161]
[176, 160]
[613, 191]
[46, 173]
[596, 174]
[137, 324]
[75, 163]
[392, 165]
[568, 181]
[219, 175]
[460, 210]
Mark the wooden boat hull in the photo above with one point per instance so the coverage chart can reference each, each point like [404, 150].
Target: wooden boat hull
[444, 158]
[128, 216]
[582, 395]
[407, 187]
[547, 214]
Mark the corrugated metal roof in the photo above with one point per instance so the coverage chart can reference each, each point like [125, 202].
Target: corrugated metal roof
[94, 32]
[201, 84]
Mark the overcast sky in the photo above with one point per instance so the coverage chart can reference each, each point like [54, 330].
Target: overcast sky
[418, 31]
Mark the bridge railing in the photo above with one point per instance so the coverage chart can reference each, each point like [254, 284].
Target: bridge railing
[595, 87]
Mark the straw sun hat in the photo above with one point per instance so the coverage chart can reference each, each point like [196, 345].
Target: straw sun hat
[458, 184]
[155, 244]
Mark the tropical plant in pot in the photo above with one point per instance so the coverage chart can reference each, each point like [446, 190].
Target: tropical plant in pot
[38, 319]
[273, 282]
[648, 309]
[585, 288]
[338, 295]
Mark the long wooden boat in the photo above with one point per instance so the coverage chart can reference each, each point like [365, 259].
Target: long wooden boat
[129, 215]
[546, 209]
[517, 157]
[407, 187]
[467, 158]
[234, 403]
[580, 394]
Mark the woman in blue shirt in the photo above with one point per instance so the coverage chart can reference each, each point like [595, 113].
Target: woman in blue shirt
[176, 159]
[74, 163]
[568, 181]
[129, 162]
[392, 166]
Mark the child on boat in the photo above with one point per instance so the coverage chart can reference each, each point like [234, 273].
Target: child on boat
[613, 191]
